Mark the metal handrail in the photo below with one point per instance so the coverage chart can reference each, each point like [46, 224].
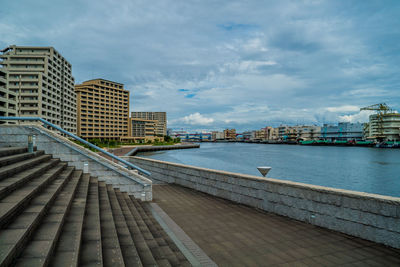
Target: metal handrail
[78, 139]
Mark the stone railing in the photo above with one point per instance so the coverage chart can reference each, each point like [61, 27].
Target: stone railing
[369, 216]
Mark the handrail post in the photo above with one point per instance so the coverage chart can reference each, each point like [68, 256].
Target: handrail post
[30, 143]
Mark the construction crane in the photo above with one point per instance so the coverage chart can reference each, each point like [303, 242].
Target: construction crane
[381, 110]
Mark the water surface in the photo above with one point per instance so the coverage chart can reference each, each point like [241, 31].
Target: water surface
[363, 169]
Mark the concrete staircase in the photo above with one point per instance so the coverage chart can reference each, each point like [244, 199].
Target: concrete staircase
[52, 214]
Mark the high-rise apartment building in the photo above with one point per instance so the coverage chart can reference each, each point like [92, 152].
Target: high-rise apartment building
[160, 117]
[42, 81]
[103, 110]
[8, 99]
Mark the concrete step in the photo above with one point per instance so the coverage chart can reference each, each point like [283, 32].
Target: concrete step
[40, 248]
[12, 205]
[163, 263]
[163, 250]
[158, 232]
[159, 253]
[6, 151]
[67, 251]
[51, 214]
[7, 171]
[143, 249]
[112, 254]
[128, 248]
[91, 249]
[6, 160]
[10, 184]
[18, 232]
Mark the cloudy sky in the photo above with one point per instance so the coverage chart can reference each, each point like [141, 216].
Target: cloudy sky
[216, 64]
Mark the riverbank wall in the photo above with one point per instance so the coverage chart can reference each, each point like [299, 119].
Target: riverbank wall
[369, 216]
[139, 149]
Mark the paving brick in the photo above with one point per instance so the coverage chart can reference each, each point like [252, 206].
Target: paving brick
[219, 226]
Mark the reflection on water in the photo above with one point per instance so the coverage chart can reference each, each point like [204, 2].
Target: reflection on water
[363, 169]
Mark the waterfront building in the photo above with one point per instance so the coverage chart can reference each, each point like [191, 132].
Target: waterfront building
[143, 130]
[308, 132]
[287, 133]
[160, 117]
[8, 99]
[343, 131]
[41, 80]
[248, 135]
[103, 110]
[268, 132]
[215, 135]
[196, 137]
[260, 135]
[282, 132]
[272, 133]
[384, 127]
[230, 134]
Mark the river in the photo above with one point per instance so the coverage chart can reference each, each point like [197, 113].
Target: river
[364, 169]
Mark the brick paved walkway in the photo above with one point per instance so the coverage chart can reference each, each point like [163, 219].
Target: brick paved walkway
[236, 235]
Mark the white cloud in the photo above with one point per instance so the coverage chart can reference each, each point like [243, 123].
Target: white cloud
[255, 45]
[196, 119]
[362, 116]
[346, 108]
[246, 66]
[367, 92]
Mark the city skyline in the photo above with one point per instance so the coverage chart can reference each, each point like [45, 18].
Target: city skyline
[226, 64]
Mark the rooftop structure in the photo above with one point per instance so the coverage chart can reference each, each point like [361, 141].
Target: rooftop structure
[103, 110]
[42, 81]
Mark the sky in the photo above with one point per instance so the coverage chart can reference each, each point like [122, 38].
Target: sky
[215, 64]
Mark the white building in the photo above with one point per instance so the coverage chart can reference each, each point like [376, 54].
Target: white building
[42, 81]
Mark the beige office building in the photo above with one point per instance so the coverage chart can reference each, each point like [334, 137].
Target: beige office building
[43, 84]
[103, 110]
[8, 99]
[143, 130]
[160, 117]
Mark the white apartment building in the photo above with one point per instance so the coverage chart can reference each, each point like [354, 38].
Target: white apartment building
[43, 84]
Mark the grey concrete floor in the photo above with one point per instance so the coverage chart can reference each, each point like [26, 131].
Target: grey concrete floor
[236, 235]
